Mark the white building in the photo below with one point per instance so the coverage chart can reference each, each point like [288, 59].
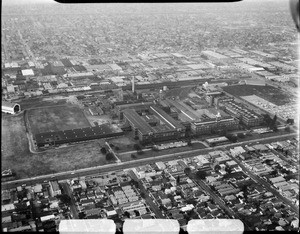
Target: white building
[11, 108]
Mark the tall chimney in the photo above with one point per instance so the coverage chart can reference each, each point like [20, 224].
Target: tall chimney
[133, 88]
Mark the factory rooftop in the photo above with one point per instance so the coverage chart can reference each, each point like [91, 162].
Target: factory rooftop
[138, 121]
[166, 118]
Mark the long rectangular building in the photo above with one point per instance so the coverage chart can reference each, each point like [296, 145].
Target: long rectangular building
[137, 122]
[169, 130]
[74, 135]
[166, 118]
[246, 116]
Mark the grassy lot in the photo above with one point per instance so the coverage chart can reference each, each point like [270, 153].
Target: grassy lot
[56, 119]
[269, 93]
[14, 143]
[150, 153]
[15, 152]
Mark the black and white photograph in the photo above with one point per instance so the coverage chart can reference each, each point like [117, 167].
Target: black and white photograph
[150, 117]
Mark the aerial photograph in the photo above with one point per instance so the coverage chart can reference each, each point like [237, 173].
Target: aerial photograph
[139, 112]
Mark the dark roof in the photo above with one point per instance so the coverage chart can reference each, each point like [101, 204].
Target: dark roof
[66, 62]
[72, 134]
[137, 121]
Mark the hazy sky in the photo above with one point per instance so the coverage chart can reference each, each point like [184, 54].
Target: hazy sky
[6, 2]
[10, 2]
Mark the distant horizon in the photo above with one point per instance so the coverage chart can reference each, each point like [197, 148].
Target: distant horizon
[28, 2]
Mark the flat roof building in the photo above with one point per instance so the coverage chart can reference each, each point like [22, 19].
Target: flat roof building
[75, 135]
[168, 130]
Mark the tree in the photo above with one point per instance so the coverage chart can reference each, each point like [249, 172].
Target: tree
[109, 156]
[178, 179]
[137, 147]
[103, 150]
[81, 215]
[201, 174]
[143, 195]
[287, 129]
[64, 198]
[217, 168]
[241, 135]
[267, 120]
[290, 121]
[137, 213]
[268, 161]
[228, 170]
[274, 120]
[127, 214]
[133, 156]
[187, 171]
[231, 137]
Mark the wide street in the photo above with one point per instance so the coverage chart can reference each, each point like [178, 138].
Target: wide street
[131, 164]
[68, 191]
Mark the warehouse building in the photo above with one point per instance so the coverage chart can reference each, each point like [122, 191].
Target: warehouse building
[138, 107]
[75, 135]
[168, 129]
[246, 116]
[207, 126]
[11, 108]
[204, 121]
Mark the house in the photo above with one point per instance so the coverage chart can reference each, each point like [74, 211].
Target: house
[212, 207]
[295, 223]
[54, 188]
[237, 151]
[87, 202]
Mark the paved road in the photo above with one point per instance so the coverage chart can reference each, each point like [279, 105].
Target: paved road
[68, 191]
[148, 199]
[266, 185]
[131, 164]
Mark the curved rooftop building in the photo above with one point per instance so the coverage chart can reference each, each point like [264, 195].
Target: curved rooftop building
[11, 108]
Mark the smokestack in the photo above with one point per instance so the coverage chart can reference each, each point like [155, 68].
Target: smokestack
[133, 88]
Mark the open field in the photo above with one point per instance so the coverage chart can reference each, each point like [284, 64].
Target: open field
[15, 152]
[26, 164]
[269, 93]
[14, 142]
[56, 119]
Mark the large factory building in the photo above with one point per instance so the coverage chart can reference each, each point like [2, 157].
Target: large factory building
[148, 130]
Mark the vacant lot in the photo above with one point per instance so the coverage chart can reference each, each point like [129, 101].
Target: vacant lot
[56, 118]
[14, 143]
[15, 152]
[269, 93]
[78, 156]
